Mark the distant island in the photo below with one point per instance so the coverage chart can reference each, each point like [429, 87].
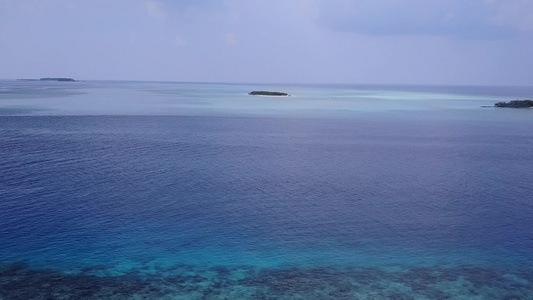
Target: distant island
[49, 79]
[265, 93]
[516, 104]
[56, 79]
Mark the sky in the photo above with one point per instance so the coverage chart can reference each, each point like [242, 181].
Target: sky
[444, 42]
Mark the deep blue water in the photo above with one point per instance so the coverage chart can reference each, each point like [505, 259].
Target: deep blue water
[383, 204]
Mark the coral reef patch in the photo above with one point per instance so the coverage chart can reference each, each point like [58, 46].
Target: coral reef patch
[19, 281]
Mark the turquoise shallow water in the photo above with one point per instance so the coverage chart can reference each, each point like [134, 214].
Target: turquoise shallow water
[136, 190]
[202, 99]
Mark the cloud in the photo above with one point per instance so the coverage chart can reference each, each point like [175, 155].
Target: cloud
[473, 19]
[350, 41]
[154, 10]
[513, 13]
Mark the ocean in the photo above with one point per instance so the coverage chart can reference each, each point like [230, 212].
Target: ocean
[162, 190]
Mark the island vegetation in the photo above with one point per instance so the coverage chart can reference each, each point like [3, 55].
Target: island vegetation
[516, 104]
[266, 93]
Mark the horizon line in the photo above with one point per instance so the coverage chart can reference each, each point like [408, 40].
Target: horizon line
[288, 83]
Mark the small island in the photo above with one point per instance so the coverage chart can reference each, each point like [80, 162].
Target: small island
[516, 104]
[266, 93]
[56, 79]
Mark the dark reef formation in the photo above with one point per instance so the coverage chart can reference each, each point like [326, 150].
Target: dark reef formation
[516, 104]
[266, 93]
[18, 281]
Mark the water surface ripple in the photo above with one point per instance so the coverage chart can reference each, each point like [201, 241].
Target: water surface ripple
[387, 205]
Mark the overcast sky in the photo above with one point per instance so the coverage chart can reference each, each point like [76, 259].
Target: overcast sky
[480, 42]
